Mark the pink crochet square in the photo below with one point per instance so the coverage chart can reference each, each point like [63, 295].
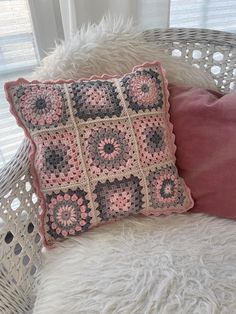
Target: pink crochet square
[102, 149]
[109, 148]
[152, 139]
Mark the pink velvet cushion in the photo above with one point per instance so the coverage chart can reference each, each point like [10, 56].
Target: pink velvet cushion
[205, 129]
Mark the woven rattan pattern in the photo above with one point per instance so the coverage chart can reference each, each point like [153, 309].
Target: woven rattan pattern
[213, 51]
[20, 256]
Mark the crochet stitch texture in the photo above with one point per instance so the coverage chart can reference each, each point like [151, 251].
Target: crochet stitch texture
[102, 149]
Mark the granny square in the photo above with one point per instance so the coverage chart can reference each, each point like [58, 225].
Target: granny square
[57, 160]
[101, 149]
[119, 198]
[95, 99]
[109, 148]
[154, 140]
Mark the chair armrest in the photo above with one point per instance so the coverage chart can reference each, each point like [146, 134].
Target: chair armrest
[20, 243]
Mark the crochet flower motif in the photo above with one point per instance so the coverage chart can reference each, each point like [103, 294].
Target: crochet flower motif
[119, 198]
[165, 188]
[143, 90]
[41, 105]
[68, 213]
[108, 148]
[95, 99]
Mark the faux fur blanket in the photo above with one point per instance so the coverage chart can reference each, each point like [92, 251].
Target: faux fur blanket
[179, 264]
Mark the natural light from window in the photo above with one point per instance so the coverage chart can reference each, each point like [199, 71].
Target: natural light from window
[211, 14]
[18, 57]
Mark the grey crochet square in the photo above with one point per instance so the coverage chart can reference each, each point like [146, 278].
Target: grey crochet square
[143, 90]
[165, 187]
[155, 139]
[56, 159]
[95, 99]
[119, 198]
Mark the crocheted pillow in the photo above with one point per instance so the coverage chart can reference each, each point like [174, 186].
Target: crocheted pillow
[102, 149]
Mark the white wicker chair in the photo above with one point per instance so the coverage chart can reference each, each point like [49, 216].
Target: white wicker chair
[20, 243]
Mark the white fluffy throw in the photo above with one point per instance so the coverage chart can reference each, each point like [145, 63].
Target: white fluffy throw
[114, 47]
[180, 264]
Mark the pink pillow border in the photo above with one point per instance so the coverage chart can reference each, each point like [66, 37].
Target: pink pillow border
[32, 152]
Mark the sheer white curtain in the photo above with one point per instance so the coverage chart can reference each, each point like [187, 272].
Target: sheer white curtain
[57, 19]
[146, 13]
[212, 14]
[18, 56]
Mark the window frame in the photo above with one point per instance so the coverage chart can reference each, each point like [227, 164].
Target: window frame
[47, 24]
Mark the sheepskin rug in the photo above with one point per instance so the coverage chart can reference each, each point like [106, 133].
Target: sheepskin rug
[175, 264]
[179, 264]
